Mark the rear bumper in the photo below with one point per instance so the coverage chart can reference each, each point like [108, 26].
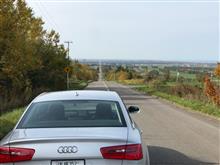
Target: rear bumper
[87, 162]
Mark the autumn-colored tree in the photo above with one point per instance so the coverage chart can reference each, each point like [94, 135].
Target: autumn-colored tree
[209, 88]
[210, 91]
[122, 75]
[83, 72]
[216, 99]
[217, 70]
[217, 73]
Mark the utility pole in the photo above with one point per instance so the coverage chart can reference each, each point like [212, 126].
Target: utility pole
[100, 70]
[114, 74]
[68, 57]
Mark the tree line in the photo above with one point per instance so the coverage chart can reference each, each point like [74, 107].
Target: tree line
[121, 73]
[32, 60]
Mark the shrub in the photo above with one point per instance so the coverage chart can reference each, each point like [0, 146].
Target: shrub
[152, 75]
[186, 90]
[156, 84]
[8, 121]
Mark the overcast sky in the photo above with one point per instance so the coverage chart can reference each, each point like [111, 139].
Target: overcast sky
[135, 30]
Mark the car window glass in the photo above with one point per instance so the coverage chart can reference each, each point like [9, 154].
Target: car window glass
[73, 114]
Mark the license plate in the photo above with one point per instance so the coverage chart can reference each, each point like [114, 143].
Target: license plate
[69, 162]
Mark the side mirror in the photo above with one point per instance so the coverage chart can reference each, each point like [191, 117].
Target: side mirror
[133, 109]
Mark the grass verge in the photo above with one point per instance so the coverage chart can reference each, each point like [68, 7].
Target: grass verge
[78, 85]
[196, 105]
[8, 121]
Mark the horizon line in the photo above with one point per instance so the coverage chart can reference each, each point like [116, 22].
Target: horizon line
[155, 60]
[125, 1]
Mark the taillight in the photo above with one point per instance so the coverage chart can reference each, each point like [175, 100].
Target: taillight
[10, 154]
[124, 152]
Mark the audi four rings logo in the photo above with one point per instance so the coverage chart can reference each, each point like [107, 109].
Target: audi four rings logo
[67, 149]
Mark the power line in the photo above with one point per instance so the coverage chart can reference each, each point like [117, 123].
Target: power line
[50, 17]
[45, 19]
[46, 16]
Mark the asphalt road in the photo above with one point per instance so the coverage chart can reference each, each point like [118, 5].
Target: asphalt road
[173, 135]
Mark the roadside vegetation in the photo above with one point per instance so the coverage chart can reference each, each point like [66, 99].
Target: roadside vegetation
[8, 121]
[193, 87]
[122, 73]
[32, 59]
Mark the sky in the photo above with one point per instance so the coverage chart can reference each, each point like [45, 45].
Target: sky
[184, 30]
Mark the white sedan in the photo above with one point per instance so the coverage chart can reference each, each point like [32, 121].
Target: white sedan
[75, 128]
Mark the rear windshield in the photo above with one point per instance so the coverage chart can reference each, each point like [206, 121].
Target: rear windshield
[55, 114]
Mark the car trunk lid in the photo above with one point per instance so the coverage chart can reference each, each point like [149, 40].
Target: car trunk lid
[88, 142]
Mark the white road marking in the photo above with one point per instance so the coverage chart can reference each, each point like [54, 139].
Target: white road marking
[106, 86]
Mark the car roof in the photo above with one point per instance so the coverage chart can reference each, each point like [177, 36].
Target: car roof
[78, 95]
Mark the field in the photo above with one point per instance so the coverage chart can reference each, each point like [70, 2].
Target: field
[181, 85]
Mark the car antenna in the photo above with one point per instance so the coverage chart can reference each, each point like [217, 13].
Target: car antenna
[77, 94]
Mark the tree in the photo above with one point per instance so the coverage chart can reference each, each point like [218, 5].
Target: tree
[166, 74]
[210, 91]
[31, 59]
[122, 75]
[83, 72]
[209, 87]
[217, 70]
[154, 74]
